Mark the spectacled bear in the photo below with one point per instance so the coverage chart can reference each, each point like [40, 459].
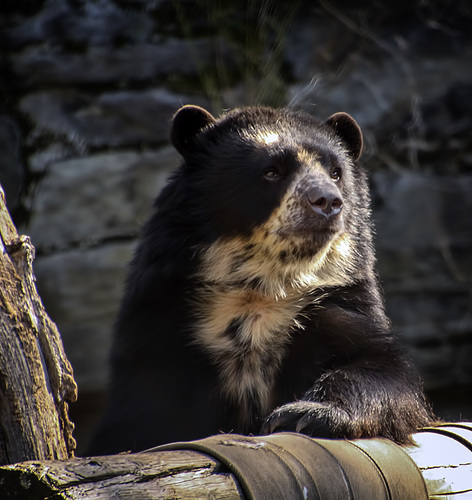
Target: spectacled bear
[252, 303]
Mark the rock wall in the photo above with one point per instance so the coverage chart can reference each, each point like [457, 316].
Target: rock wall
[87, 89]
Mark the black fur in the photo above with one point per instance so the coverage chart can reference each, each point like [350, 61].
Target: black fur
[336, 371]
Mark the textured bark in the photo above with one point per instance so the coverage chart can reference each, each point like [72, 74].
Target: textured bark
[166, 475]
[36, 379]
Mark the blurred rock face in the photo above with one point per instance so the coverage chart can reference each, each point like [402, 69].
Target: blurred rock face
[87, 92]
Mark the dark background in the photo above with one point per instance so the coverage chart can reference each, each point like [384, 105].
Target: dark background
[86, 93]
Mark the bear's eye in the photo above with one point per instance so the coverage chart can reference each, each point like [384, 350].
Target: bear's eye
[272, 174]
[335, 174]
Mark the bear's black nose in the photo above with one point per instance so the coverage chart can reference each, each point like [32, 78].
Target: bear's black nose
[326, 201]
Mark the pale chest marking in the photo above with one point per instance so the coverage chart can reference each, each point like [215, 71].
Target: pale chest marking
[245, 333]
[260, 319]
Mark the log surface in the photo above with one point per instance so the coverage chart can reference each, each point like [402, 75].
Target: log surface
[36, 379]
[165, 475]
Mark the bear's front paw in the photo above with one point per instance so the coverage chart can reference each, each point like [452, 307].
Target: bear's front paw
[307, 417]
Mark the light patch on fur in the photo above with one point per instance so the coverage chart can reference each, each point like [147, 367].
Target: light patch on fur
[304, 157]
[267, 137]
[263, 137]
[343, 247]
[248, 358]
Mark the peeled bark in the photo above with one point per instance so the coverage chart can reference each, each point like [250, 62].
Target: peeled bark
[36, 378]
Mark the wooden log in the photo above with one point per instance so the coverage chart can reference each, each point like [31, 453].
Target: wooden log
[167, 474]
[36, 379]
[442, 455]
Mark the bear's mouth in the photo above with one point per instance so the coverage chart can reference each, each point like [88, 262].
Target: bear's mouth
[314, 231]
[303, 244]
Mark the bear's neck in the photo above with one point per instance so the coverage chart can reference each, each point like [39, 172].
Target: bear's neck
[277, 268]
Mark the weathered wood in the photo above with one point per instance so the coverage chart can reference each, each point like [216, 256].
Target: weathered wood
[165, 475]
[36, 379]
[445, 461]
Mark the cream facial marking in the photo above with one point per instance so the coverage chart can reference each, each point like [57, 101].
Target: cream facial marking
[304, 157]
[265, 137]
[343, 247]
[268, 137]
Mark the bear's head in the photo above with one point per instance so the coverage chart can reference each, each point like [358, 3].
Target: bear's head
[278, 189]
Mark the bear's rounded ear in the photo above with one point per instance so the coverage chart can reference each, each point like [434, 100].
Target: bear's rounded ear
[349, 131]
[187, 123]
